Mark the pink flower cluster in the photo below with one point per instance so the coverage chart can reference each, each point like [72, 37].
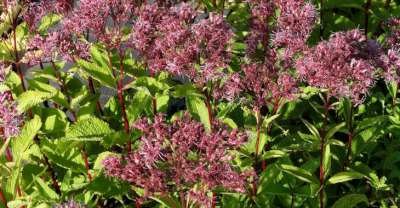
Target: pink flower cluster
[261, 12]
[181, 156]
[294, 26]
[10, 118]
[390, 62]
[268, 77]
[59, 44]
[340, 66]
[36, 10]
[104, 19]
[179, 40]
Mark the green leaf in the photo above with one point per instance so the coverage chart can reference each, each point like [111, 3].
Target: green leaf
[100, 56]
[273, 154]
[345, 176]
[167, 201]
[30, 99]
[66, 160]
[312, 129]
[102, 74]
[12, 182]
[299, 173]
[4, 147]
[350, 201]
[150, 83]
[21, 144]
[44, 190]
[48, 21]
[186, 90]
[327, 159]
[268, 120]
[89, 129]
[199, 109]
[333, 130]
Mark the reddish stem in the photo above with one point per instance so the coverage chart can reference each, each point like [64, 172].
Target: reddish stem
[154, 102]
[122, 101]
[63, 88]
[9, 155]
[214, 200]
[16, 61]
[52, 175]
[93, 91]
[137, 204]
[3, 198]
[85, 158]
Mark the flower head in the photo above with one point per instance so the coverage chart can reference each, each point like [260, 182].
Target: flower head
[182, 153]
[340, 66]
[178, 40]
[10, 118]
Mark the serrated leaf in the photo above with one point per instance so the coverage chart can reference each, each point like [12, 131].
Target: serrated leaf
[99, 73]
[25, 139]
[31, 98]
[345, 176]
[89, 129]
[44, 190]
[99, 56]
[64, 160]
[350, 201]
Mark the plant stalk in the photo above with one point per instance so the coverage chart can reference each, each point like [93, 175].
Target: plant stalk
[322, 152]
[52, 175]
[3, 198]
[85, 159]
[121, 101]
[350, 137]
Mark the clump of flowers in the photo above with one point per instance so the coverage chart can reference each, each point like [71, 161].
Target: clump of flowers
[340, 65]
[10, 119]
[36, 10]
[294, 26]
[59, 44]
[181, 156]
[267, 74]
[179, 40]
[390, 62]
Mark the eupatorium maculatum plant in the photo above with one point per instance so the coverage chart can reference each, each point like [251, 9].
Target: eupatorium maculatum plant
[209, 103]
